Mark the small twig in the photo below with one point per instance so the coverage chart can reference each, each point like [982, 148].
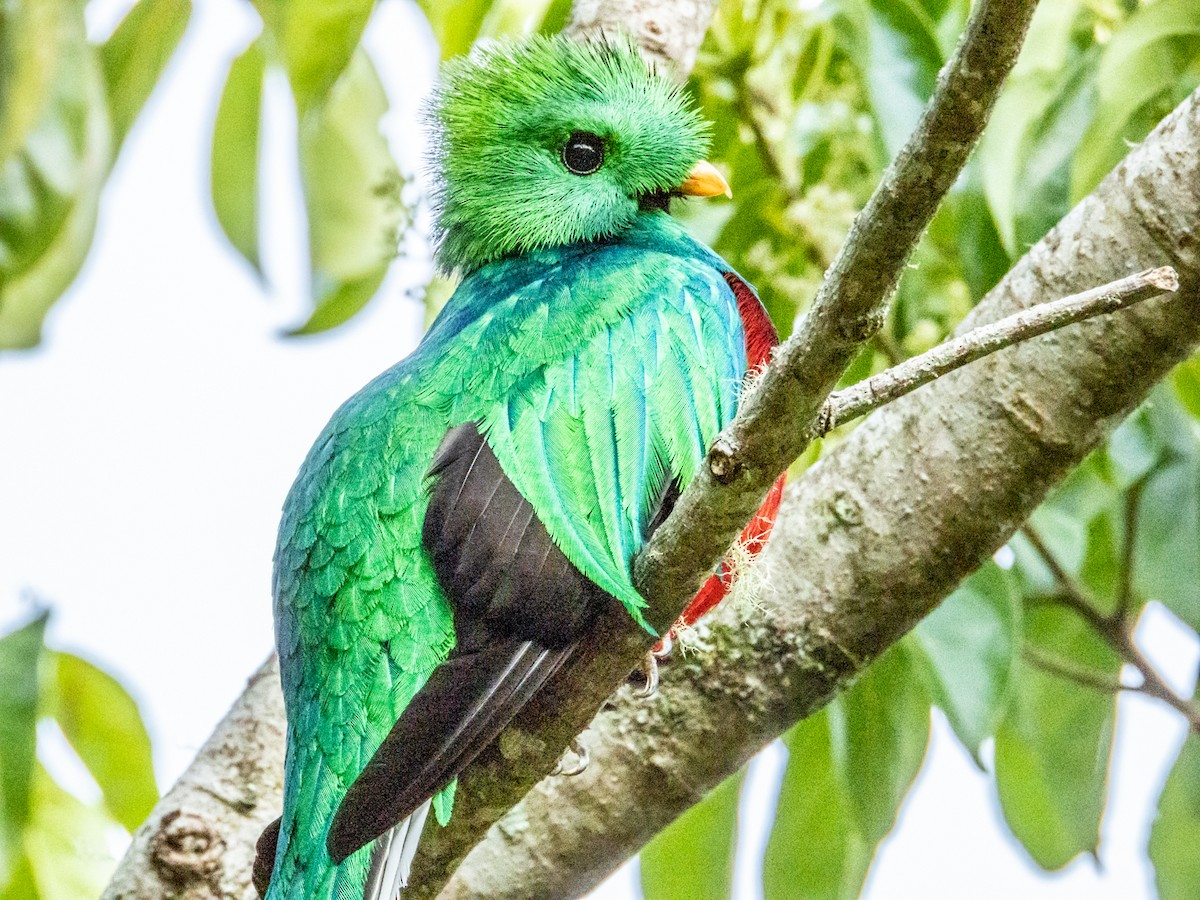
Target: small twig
[1105, 684]
[878, 390]
[1117, 632]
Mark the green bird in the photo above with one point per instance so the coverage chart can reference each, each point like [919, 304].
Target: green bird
[462, 519]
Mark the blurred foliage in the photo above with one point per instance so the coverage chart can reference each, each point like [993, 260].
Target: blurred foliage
[809, 102]
[66, 105]
[52, 842]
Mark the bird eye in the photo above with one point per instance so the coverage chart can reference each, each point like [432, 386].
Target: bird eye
[584, 153]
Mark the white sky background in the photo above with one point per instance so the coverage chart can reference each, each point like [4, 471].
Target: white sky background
[150, 441]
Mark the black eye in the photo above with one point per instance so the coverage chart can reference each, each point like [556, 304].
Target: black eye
[584, 153]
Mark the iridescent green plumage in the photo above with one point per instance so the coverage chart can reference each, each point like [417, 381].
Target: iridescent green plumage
[597, 347]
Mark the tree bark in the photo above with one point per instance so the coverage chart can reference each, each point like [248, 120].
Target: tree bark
[871, 538]
[198, 844]
[668, 32]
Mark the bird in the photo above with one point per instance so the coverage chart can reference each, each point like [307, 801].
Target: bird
[461, 522]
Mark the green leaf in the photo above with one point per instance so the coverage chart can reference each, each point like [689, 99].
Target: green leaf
[352, 193]
[904, 60]
[316, 41]
[65, 843]
[972, 641]
[135, 55]
[1143, 74]
[1167, 552]
[1047, 44]
[1053, 746]
[102, 723]
[20, 653]
[235, 150]
[1175, 834]
[49, 194]
[692, 859]
[848, 771]
[456, 23]
[1186, 381]
[815, 850]
[33, 38]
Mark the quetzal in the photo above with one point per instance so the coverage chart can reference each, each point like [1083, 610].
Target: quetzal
[461, 520]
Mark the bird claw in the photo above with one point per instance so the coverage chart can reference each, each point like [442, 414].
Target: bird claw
[649, 669]
[582, 759]
[665, 645]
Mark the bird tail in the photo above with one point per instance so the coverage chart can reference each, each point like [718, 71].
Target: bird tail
[392, 857]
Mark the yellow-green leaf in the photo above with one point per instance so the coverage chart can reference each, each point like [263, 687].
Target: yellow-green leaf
[33, 36]
[135, 55]
[692, 858]
[316, 40]
[66, 843]
[20, 652]
[235, 151]
[352, 193]
[103, 725]
[49, 193]
[1143, 74]
[1175, 835]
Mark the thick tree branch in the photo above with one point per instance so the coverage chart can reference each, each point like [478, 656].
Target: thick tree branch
[879, 390]
[198, 843]
[870, 538]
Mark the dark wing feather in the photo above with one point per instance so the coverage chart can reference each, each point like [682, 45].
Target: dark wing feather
[466, 702]
[519, 607]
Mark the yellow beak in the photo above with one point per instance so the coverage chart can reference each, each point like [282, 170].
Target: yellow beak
[705, 181]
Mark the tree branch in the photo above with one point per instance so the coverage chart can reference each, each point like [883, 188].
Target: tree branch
[198, 843]
[1096, 681]
[871, 537]
[1116, 630]
[878, 390]
[769, 432]
[669, 32]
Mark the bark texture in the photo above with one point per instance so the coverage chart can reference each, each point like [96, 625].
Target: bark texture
[198, 844]
[872, 537]
[669, 32]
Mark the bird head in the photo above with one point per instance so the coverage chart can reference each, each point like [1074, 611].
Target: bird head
[550, 142]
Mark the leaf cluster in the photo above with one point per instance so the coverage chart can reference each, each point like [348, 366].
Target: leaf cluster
[51, 841]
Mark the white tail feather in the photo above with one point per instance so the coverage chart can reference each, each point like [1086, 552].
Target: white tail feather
[398, 848]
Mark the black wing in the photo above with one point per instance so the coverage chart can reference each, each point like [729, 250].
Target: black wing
[519, 608]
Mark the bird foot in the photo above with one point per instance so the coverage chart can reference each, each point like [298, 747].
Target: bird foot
[649, 670]
[582, 758]
[665, 646]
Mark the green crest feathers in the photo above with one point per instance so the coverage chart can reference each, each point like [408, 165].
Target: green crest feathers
[502, 118]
